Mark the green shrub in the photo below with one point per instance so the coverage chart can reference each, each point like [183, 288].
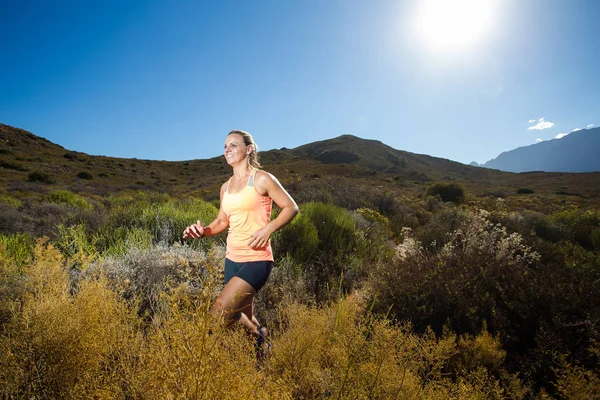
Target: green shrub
[448, 191]
[580, 225]
[70, 156]
[84, 175]
[551, 230]
[38, 176]
[299, 239]
[116, 241]
[335, 228]
[163, 217]
[167, 221]
[77, 247]
[68, 198]
[16, 251]
[11, 201]
[326, 240]
[14, 166]
[18, 247]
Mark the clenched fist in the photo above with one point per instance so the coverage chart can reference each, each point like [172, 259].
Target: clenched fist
[194, 231]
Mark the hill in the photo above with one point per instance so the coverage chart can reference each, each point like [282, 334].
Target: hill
[576, 152]
[334, 169]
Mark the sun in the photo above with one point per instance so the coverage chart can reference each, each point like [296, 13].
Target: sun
[454, 24]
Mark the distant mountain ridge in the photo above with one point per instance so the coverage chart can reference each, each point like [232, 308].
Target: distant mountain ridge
[576, 152]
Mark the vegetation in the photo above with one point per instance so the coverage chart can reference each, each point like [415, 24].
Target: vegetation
[453, 192]
[85, 175]
[377, 291]
[37, 176]
[525, 191]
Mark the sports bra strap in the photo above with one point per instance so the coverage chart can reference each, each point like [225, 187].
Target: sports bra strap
[250, 179]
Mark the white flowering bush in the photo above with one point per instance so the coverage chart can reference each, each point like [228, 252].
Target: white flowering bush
[144, 274]
[480, 274]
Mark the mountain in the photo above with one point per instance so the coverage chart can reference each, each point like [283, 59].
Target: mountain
[575, 152]
[375, 156]
[345, 167]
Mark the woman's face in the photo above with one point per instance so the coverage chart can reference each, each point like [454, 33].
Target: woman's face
[235, 149]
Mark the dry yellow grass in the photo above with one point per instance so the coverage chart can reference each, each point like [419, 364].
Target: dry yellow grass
[85, 341]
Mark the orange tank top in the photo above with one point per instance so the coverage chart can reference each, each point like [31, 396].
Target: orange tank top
[247, 211]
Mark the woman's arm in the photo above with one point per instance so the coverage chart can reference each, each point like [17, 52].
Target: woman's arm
[267, 185]
[214, 228]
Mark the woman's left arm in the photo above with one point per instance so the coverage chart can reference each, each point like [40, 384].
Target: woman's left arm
[267, 185]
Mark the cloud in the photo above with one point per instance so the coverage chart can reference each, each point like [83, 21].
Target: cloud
[576, 129]
[560, 135]
[538, 140]
[541, 124]
[590, 126]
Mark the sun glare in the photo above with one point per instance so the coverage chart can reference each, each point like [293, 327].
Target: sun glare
[454, 24]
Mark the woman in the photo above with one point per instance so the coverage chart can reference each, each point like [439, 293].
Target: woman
[246, 200]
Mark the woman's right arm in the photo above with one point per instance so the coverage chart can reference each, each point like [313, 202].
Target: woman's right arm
[214, 228]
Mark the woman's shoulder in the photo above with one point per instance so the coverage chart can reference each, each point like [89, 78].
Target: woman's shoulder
[263, 176]
[264, 181]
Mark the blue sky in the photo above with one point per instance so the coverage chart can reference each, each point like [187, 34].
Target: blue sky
[166, 80]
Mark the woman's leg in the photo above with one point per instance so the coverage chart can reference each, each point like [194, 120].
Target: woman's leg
[236, 303]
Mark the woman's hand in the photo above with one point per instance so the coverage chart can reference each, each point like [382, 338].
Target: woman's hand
[260, 238]
[194, 231]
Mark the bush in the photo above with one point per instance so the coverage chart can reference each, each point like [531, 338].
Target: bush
[16, 252]
[147, 273]
[11, 201]
[70, 156]
[436, 232]
[580, 225]
[339, 352]
[538, 306]
[60, 345]
[525, 191]
[116, 241]
[69, 199]
[84, 175]
[38, 176]
[18, 247]
[14, 166]
[299, 239]
[41, 219]
[160, 215]
[481, 273]
[448, 192]
[376, 231]
[89, 339]
[324, 238]
[576, 382]
[11, 219]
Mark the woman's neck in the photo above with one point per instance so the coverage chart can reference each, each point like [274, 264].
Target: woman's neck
[242, 171]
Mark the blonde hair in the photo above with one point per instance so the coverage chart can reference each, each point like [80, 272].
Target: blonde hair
[253, 158]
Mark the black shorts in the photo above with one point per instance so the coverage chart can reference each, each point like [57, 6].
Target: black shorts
[255, 273]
